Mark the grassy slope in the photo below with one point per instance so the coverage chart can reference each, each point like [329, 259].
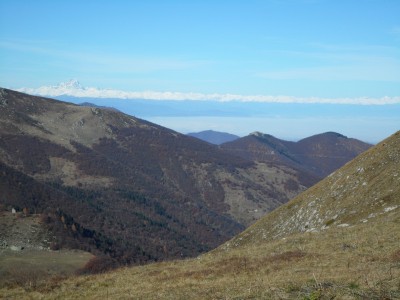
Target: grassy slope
[29, 267]
[360, 261]
[277, 258]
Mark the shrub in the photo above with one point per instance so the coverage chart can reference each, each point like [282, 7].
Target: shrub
[98, 264]
[329, 222]
[25, 211]
[54, 246]
[45, 219]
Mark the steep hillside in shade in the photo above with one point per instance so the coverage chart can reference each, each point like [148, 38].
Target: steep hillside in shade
[318, 155]
[327, 152]
[111, 183]
[214, 137]
[338, 240]
[364, 190]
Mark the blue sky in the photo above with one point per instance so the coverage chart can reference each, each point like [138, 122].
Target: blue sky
[296, 48]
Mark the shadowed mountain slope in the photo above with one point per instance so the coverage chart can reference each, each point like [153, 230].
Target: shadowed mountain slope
[318, 155]
[111, 183]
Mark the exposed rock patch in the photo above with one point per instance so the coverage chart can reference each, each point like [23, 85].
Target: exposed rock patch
[19, 233]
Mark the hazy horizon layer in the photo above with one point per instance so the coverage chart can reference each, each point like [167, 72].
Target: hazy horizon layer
[291, 121]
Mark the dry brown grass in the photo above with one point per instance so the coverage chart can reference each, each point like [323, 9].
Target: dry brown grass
[28, 268]
[360, 262]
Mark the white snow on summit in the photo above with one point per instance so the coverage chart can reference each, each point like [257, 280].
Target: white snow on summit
[72, 84]
[75, 89]
[70, 88]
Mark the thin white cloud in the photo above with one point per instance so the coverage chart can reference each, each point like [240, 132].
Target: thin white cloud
[74, 89]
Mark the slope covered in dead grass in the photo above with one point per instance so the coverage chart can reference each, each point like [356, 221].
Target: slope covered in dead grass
[357, 262]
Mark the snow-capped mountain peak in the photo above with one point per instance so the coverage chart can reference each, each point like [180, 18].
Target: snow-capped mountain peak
[71, 84]
[70, 88]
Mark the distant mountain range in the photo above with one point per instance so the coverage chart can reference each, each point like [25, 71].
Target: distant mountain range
[113, 184]
[318, 155]
[214, 137]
